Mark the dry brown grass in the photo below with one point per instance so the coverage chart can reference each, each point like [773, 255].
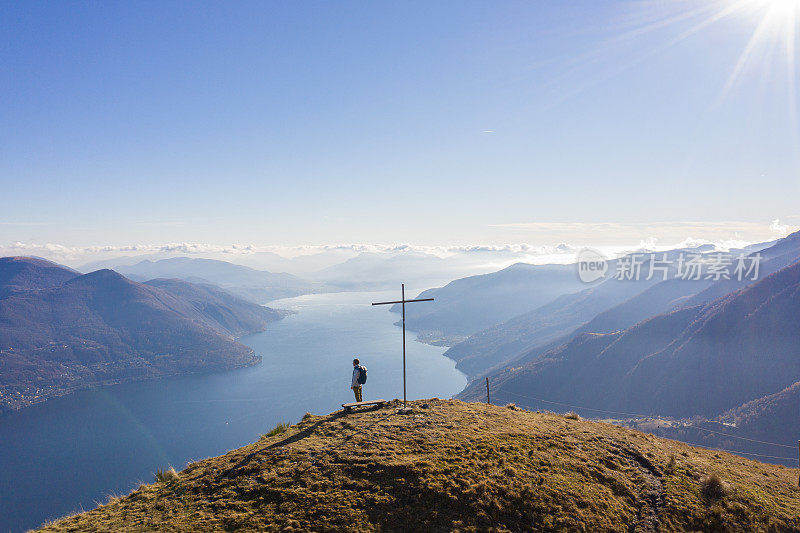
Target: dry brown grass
[713, 488]
[278, 429]
[670, 468]
[457, 466]
[165, 476]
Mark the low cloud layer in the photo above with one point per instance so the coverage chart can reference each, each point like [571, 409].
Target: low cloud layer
[59, 251]
[612, 233]
[612, 237]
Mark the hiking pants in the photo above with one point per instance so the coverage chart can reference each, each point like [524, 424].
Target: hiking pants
[357, 391]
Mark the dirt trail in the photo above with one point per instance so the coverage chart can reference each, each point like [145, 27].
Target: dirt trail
[651, 496]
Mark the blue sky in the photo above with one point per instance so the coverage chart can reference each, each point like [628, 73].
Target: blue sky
[282, 123]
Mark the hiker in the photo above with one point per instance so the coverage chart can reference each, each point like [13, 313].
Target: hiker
[359, 378]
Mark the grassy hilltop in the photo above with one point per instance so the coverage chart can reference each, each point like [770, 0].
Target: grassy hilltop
[458, 466]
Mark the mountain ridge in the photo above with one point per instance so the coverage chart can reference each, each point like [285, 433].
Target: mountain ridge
[22, 273]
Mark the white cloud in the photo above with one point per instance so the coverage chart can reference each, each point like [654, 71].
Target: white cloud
[666, 234]
[648, 244]
[55, 251]
[82, 254]
[781, 230]
[612, 237]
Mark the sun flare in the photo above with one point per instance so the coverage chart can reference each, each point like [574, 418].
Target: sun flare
[768, 49]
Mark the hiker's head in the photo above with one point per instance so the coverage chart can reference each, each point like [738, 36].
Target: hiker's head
[356, 362]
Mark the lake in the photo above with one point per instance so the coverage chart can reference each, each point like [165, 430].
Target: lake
[70, 453]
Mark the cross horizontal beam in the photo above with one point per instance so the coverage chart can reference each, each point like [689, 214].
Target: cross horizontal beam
[404, 301]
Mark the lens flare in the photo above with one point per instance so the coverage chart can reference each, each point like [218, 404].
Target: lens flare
[768, 52]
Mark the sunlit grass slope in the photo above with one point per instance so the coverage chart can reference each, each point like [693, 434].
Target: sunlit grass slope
[458, 466]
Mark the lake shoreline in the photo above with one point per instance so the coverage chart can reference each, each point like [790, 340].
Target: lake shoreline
[6, 410]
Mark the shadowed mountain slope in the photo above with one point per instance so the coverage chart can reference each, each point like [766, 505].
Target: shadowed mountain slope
[774, 417]
[558, 320]
[471, 304]
[503, 342]
[610, 305]
[453, 466]
[103, 328]
[699, 360]
[225, 312]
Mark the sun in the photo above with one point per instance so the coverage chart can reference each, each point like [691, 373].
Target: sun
[784, 6]
[767, 57]
[775, 32]
[777, 22]
[775, 13]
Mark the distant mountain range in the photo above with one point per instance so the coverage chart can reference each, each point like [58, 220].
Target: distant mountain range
[60, 330]
[300, 265]
[697, 360]
[258, 286]
[370, 271]
[611, 304]
[468, 306]
[471, 304]
[603, 307]
[333, 269]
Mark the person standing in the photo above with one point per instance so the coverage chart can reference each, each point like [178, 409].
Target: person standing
[359, 378]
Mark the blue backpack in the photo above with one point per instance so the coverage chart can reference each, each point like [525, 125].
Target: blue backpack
[362, 375]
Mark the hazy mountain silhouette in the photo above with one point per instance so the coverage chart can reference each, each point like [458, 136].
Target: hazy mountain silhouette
[223, 311]
[386, 270]
[675, 293]
[782, 253]
[602, 302]
[471, 304]
[468, 306]
[102, 327]
[125, 260]
[699, 360]
[604, 308]
[300, 265]
[258, 286]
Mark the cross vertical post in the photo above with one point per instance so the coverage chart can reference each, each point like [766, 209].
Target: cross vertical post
[403, 299]
[403, 303]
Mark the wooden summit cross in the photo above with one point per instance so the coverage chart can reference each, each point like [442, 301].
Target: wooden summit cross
[403, 302]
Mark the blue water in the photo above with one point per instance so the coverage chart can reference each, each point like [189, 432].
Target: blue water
[70, 453]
